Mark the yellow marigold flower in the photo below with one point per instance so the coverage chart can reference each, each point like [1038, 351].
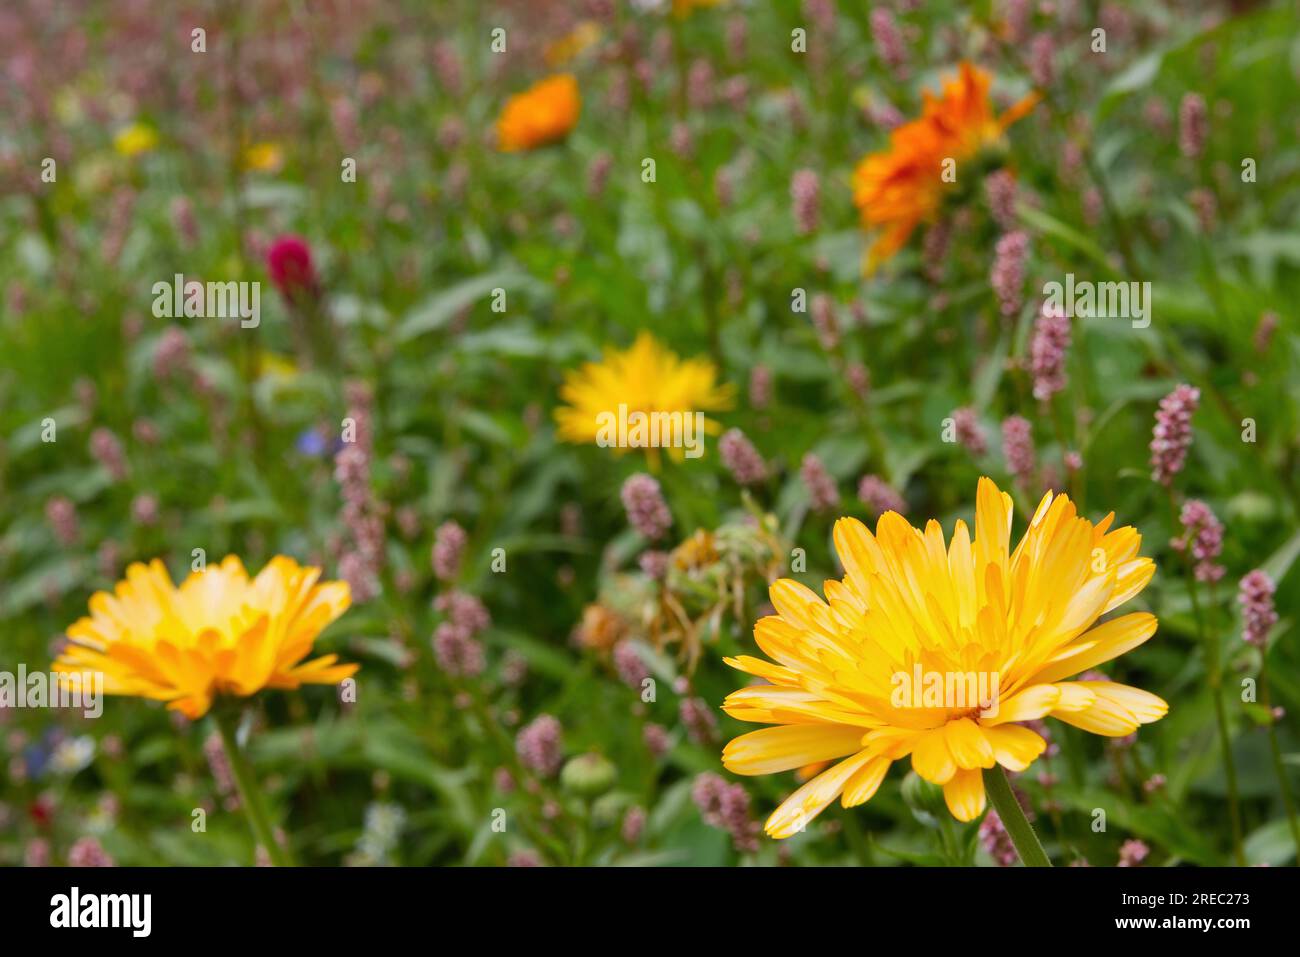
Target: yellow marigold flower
[572, 44]
[218, 633]
[898, 188]
[135, 139]
[544, 113]
[908, 605]
[263, 158]
[640, 391]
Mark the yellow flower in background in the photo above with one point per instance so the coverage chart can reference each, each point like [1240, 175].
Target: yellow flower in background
[219, 633]
[572, 45]
[263, 158]
[896, 189]
[1018, 623]
[135, 139]
[699, 550]
[544, 113]
[272, 365]
[628, 387]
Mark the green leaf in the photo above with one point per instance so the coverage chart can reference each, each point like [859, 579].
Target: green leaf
[392, 748]
[542, 657]
[1176, 835]
[28, 436]
[57, 576]
[989, 374]
[1049, 225]
[1280, 562]
[1271, 844]
[1136, 76]
[439, 309]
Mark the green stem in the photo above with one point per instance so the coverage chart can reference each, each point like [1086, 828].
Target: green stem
[1013, 818]
[250, 793]
[860, 846]
[1278, 765]
[1213, 668]
[948, 842]
[556, 847]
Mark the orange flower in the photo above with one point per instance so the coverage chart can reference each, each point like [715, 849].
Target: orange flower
[899, 187]
[544, 113]
[600, 628]
[220, 633]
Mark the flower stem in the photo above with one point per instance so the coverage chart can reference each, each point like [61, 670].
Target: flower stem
[1214, 674]
[250, 793]
[1278, 766]
[1013, 818]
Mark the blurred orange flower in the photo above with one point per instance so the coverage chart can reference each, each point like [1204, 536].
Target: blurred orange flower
[600, 628]
[220, 632]
[544, 113]
[898, 188]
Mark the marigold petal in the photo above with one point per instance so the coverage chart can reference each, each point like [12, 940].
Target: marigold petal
[1108, 640]
[1075, 696]
[1117, 710]
[931, 758]
[967, 743]
[964, 794]
[1015, 746]
[800, 808]
[1026, 705]
[864, 783]
[788, 746]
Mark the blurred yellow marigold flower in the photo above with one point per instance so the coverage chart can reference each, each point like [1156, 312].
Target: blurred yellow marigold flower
[898, 188]
[542, 114]
[908, 604]
[646, 379]
[271, 365]
[572, 44]
[135, 139]
[263, 158]
[219, 633]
